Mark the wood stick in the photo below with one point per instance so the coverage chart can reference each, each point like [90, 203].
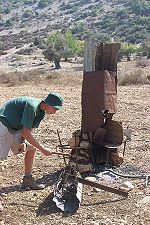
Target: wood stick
[103, 187]
[60, 153]
[61, 147]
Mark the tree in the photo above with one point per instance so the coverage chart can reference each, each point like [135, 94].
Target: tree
[127, 50]
[62, 45]
[8, 23]
[102, 37]
[1, 45]
[140, 7]
[146, 47]
[44, 3]
[57, 48]
[74, 44]
[52, 55]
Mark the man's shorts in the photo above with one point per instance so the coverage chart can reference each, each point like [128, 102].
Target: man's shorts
[9, 141]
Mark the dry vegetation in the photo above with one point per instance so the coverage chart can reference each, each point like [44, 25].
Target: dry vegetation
[103, 208]
[133, 72]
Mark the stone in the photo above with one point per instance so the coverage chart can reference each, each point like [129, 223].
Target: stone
[84, 144]
[20, 209]
[3, 195]
[128, 185]
[96, 189]
[93, 179]
[2, 222]
[85, 136]
[2, 168]
[145, 200]
[1, 207]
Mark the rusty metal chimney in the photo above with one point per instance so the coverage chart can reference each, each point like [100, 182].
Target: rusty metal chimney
[99, 89]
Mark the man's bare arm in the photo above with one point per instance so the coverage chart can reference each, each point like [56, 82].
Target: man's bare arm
[26, 133]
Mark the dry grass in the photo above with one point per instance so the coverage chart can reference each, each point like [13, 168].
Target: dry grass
[15, 78]
[136, 77]
[133, 73]
[129, 73]
[52, 76]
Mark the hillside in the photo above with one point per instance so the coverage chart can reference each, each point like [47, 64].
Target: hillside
[23, 20]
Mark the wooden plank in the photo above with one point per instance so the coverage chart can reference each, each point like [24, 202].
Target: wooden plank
[103, 187]
[89, 56]
[106, 56]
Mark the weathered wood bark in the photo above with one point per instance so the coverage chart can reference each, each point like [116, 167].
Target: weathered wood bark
[100, 56]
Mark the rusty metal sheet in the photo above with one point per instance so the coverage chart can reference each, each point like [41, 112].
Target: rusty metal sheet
[99, 92]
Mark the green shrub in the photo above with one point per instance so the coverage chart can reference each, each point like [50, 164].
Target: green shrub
[7, 10]
[28, 2]
[44, 3]
[1, 45]
[8, 23]
[27, 14]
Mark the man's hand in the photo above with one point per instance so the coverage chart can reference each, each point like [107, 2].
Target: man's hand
[46, 152]
[21, 148]
[26, 133]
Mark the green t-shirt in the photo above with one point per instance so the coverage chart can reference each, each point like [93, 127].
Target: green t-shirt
[21, 112]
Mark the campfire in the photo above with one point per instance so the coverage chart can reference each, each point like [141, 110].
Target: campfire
[101, 140]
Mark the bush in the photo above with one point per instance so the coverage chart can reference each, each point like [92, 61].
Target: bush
[18, 77]
[141, 63]
[28, 2]
[27, 14]
[8, 23]
[52, 76]
[136, 77]
[1, 45]
[6, 10]
[44, 3]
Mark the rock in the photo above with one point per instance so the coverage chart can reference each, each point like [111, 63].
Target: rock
[8, 216]
[6, 166]
[132, 158]
[84, 144]
[127, 185]
[93, 179]
[3, 195]
[1, 207]
[35, 194]
[145, 200]
[82, 167]
[85, 136]
[94, 223]
[2, 168]
[96, 190]
[2, 222]
[20, 209]
[73, 223]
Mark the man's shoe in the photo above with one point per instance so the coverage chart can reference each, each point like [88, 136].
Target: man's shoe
[29, 182]
[1, 207]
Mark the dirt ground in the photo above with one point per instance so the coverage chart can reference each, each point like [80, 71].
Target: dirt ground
[97, 207]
